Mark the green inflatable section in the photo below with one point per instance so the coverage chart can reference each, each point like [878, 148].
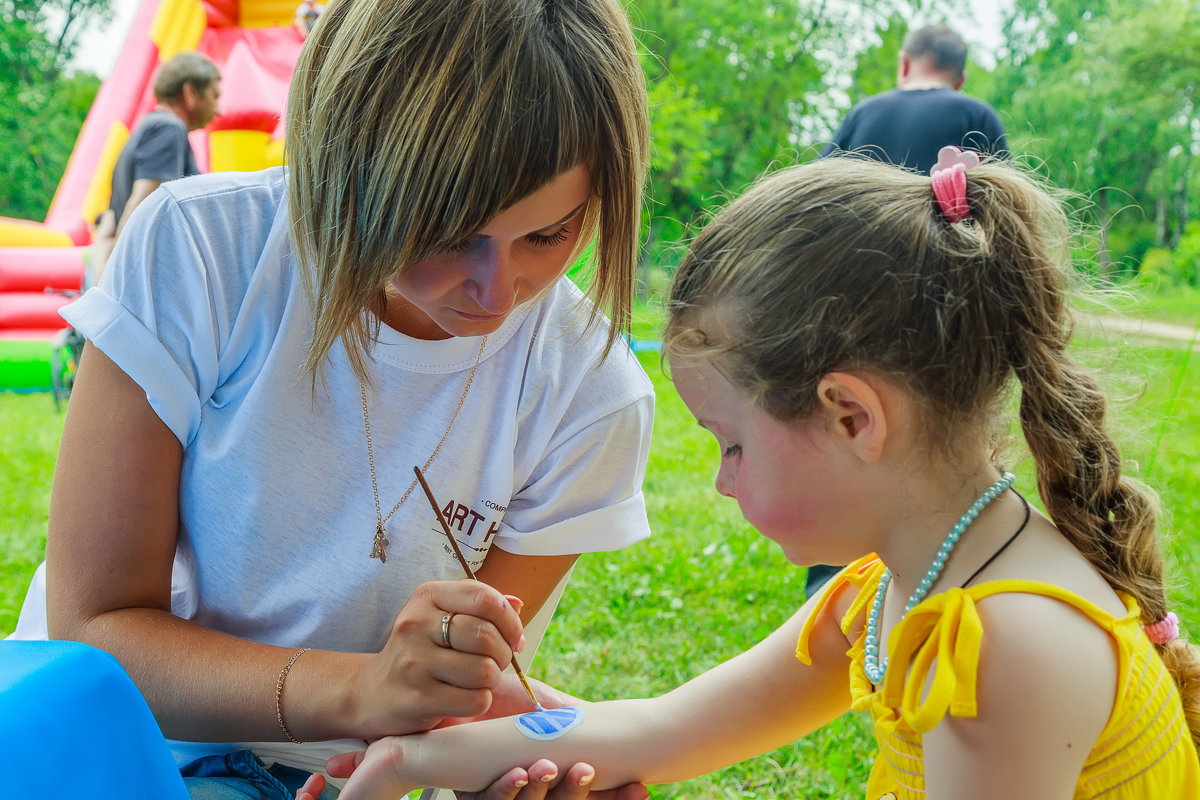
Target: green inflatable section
[25, 365]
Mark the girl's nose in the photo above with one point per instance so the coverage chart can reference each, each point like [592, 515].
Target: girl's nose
[724, 481]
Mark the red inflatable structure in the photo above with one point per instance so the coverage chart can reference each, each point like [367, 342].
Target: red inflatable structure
[42, 265]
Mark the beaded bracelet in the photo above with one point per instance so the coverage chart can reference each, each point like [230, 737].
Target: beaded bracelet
[279, 696]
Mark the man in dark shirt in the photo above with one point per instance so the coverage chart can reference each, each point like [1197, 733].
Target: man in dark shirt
[186, 88]
[909, 124]
[926, 111]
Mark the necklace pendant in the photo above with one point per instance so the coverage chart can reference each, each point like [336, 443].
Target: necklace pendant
[378, 549]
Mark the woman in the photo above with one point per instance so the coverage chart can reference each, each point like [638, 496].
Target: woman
[271, 353]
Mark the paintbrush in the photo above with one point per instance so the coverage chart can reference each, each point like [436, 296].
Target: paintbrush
[437, 509]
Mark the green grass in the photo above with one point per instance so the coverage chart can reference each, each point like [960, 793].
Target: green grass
[705, 586]
[1179, 305]
[31, 429]
[1175, 305]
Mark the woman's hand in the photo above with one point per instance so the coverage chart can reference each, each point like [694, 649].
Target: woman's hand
[510, 698]
[539, 782]
[416, 681]
[312, 787]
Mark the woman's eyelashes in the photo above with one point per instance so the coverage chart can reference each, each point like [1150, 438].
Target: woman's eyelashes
[731, 450]
[537, 239]
[550, 239]
[462, 246]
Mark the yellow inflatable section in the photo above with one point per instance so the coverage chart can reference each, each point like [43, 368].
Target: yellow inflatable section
[266, 13]
[178, 26]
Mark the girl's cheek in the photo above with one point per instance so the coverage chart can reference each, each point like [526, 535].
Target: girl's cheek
[749, 505]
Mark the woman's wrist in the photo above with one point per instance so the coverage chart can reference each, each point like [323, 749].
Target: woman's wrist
[321, 698]
[280, 683]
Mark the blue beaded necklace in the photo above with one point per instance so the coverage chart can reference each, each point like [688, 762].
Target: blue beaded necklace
[872, 665]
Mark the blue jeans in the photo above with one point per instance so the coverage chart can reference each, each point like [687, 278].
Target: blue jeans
[241, 776]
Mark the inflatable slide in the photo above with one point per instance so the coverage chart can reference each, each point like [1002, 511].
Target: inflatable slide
[42, 264]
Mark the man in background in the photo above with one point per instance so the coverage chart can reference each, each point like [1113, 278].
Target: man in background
[187, 88]
[926, 111]
[908, 125]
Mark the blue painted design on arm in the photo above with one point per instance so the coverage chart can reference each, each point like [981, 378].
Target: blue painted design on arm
[550, 723]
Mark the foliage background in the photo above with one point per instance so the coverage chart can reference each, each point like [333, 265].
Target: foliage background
[1098, 95]
[42, 102]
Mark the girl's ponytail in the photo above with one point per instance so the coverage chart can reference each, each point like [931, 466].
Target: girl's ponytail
[1108, 517]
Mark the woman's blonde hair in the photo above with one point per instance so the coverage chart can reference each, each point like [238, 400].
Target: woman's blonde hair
[411, 124]
[849, 264]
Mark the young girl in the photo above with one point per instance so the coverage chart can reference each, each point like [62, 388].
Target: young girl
[850, 333]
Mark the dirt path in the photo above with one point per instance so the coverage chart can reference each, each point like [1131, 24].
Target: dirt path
[1144, 328]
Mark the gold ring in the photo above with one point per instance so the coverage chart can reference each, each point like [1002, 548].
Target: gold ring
[446, 630]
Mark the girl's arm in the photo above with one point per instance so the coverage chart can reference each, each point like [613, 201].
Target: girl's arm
[112, 537]
[759, 700]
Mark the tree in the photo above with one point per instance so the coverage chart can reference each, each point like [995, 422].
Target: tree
[42, 104]
[739, 87]
[1104, 93]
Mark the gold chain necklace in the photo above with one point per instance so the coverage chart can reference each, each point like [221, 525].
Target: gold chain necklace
[378, 549]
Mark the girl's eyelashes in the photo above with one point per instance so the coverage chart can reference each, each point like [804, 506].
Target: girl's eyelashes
[551, 239]
[732, 450]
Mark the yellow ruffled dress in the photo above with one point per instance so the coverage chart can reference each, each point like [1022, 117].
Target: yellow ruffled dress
[1145, 750]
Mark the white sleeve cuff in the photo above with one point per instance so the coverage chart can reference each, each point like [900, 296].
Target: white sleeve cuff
[141, 356]
[603, 530]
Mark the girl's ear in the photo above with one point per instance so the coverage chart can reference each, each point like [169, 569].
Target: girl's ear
[856, 414]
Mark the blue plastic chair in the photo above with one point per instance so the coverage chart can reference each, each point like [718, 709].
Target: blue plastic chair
[73, 725]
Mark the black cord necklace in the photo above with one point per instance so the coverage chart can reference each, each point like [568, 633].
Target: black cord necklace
[1003, 547]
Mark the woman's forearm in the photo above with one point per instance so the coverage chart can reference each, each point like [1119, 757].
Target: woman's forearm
[224, 689]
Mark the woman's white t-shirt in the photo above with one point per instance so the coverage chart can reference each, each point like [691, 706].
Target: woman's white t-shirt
[203, 306]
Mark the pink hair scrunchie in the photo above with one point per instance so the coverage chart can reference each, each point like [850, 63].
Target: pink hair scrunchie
[1165, 631]
[949, 179]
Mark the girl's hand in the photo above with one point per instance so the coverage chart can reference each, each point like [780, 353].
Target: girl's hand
[415, 682]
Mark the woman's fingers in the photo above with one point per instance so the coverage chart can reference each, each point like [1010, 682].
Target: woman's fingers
[576, 784]
[508, 698]
[546, 784]
[541, 781]
[516, 602]
[507, 787]
[478, 600]
[446, 652]
[312, 787]
[343, 764]
[465, 633]
[543, 775]
[633, 791]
